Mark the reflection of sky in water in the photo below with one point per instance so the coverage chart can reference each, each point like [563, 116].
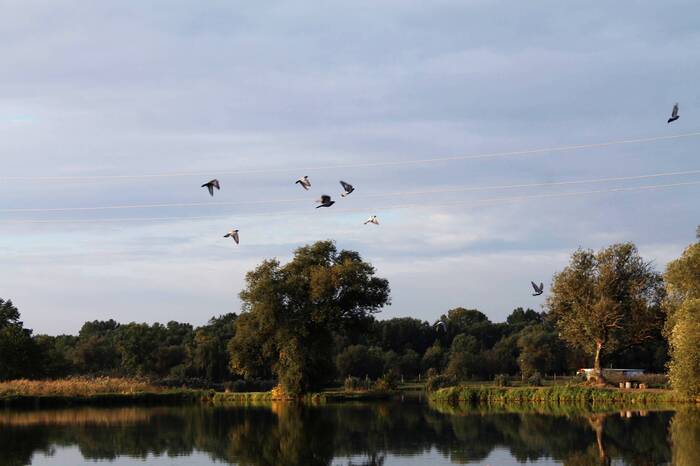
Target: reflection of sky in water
[71, 456]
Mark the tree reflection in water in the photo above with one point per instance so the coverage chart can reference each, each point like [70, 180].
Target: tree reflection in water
[284, 434]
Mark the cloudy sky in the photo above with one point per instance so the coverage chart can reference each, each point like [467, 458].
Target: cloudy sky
[95, 96]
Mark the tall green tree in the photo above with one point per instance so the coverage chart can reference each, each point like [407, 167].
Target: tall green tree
[540, 351]
[683, 324]
[605, 301]
[291, 311]
[18, 352]
[208, 351]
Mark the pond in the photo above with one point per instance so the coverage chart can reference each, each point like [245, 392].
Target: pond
[379, 433]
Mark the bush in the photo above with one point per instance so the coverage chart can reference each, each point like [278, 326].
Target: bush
[440, 381]
[353, 384]
[389, 381]
[241, 386]
[502, 380]
[535, 380]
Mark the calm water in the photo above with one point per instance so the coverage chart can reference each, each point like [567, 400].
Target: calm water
[393, 433]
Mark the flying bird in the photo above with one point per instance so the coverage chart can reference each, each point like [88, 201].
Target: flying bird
[440, 324]
[232, 234]
[538, 289]
[211, 185]
[373, 219]
[304, 182]
[347, 187]
[674, 114]
[325, 201]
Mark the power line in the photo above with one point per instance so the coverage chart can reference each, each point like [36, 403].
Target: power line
[394, 163]
[361, 196]
[476, 203]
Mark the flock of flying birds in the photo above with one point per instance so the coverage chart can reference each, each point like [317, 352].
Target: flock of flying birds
[326, 201]
[305, 183]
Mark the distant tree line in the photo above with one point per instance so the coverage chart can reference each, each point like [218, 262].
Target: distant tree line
[311, 323]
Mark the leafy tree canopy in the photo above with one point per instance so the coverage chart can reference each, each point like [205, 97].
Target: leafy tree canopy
[292, 310]
[607, 300]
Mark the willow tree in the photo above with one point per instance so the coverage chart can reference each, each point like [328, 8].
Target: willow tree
[683, 324]
[291, 311]
[607, 301]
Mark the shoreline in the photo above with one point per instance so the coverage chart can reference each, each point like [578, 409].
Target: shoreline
[574, 396]
[557, 395]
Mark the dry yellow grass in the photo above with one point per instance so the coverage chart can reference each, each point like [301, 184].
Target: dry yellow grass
[78, 386]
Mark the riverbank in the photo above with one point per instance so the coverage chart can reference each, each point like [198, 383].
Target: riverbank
[556, 395]
[100, 391]
[107, 391]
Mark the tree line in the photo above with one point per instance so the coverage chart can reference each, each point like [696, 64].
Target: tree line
[311, 323]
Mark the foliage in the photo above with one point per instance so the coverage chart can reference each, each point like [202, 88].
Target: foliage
[208, 349]
[439, 381]
[360, 361]
[433, 358]
[502, 380]
[388, 381]
[464, 358]
[292, 310]
[685, 347]
[535, 379]
[605, 301]
[19, 354]
[554, 394]
[540, 351]
[683, 326]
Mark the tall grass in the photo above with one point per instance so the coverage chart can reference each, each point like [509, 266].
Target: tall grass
[79, 386]
[554, 394]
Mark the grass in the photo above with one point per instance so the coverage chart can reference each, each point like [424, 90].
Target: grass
[557, 394]
[75, 387]
[94, 391]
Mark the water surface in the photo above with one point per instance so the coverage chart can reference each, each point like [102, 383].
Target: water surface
[351, 434]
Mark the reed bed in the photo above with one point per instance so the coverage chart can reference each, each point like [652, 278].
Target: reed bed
[75, 387]
[555, 394]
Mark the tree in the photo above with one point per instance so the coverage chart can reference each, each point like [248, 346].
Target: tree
[433, 358]
[684, 369]
[682, 280]
[463, 360]
[18, 352]
[521, 318]
[540, 351]
[360, 361]
[291, 311]
[683, 325]
[605, 301]
[208, 351]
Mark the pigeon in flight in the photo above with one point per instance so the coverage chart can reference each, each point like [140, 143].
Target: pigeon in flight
[373, 219]
[325, 201]
[304, 182]
[440, 324]
[538, 289]
[347, 187]
[232, 234]
[211, 185]
[674, 114]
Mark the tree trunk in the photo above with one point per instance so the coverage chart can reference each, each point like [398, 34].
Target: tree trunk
[597, 370]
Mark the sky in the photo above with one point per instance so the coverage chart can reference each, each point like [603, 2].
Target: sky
[131, 103]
